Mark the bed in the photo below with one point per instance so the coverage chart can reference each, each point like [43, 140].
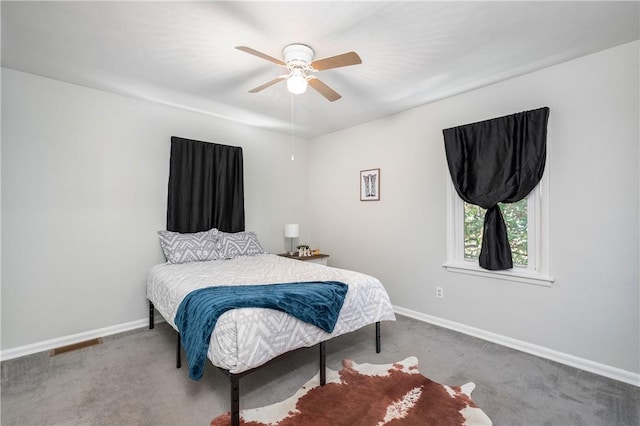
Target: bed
[245, 339]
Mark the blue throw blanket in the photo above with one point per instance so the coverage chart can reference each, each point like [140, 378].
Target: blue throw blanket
[315, 302]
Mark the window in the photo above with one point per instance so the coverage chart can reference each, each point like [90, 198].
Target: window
[515, 217]
[527, 227]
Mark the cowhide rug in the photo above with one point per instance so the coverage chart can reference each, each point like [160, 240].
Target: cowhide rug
[370, 395]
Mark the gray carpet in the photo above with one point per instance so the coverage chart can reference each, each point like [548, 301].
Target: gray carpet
[131, 379]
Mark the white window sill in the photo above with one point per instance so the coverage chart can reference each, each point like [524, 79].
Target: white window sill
[516, 274]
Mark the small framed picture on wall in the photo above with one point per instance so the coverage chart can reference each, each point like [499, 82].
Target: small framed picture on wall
[370, 185]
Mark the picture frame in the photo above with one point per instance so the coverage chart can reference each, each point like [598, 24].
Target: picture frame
[370, 185]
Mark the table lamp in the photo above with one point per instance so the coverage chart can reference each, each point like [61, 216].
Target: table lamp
[291, 231]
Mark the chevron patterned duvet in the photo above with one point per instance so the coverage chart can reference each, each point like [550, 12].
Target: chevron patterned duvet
[247, 338]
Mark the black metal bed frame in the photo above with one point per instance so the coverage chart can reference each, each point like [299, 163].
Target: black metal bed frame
[234, 378]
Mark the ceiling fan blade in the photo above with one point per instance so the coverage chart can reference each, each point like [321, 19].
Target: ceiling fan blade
[268, 83]
[346, 59]
[324, 90]
[261, 55]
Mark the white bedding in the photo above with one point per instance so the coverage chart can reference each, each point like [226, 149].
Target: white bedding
[247, 338]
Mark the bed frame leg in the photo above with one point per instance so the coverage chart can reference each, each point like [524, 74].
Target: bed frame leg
[178, 361]
[378, 337]
[323, 364]
[151, 315]
[235, 399]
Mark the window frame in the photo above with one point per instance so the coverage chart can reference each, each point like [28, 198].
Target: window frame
[537, 270]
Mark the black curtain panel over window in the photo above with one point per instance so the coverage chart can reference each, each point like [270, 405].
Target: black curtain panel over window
[206, 188]
[497, 161]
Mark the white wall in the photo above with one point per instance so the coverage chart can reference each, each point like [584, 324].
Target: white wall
[591, 311]
[84, 184]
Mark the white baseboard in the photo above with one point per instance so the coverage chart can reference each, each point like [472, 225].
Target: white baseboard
[74, 338]
[541, 351]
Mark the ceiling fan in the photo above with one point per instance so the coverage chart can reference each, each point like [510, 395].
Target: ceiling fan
[298, 60]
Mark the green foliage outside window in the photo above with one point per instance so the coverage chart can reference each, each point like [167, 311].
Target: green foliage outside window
[515, 217]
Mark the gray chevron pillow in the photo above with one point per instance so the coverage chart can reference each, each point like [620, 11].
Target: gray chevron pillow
[243, 243]
[190, 247]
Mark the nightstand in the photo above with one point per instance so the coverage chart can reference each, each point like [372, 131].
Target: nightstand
[315, 258]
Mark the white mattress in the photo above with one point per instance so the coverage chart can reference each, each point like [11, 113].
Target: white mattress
[247, 338]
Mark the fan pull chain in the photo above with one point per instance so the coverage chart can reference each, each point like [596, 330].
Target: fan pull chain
[293, 158]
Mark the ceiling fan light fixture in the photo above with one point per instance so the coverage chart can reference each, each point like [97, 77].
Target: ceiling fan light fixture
[298, 60]
[297, 82]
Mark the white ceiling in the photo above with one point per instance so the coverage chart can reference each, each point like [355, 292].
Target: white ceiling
[182, 53]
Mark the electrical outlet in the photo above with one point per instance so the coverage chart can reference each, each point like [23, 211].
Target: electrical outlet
[439, 293]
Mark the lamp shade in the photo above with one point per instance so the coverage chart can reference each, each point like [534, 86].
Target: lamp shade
[291, 230]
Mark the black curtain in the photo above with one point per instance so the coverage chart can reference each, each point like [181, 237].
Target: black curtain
[206, 188]
[497, 161]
